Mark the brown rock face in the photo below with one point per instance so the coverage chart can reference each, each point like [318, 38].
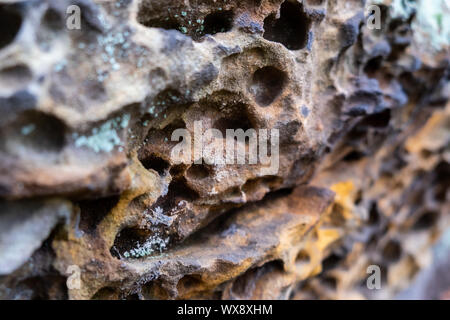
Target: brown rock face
[345, 134]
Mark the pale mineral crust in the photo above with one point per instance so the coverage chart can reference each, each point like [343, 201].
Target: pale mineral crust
[89, 187]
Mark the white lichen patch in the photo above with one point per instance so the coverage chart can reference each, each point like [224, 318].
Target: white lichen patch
[115, 47]
[432, 24]
[153, 244]
[402, 9]
[157, 217]
[105, 138]
[398, 9]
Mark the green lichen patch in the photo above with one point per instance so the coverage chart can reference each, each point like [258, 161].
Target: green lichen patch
[104, 138]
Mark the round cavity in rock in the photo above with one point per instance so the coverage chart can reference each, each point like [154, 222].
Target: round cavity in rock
[303, 258]
[426, 220]
[169, 24]
[392, 251]
[52, 20]
[267, 84]
[156, 163]
[291, 29]
[220, 21]
[152, 15]
[188, 283]
[15, 77]
[198, 172]
[34, 131]
[10, 23]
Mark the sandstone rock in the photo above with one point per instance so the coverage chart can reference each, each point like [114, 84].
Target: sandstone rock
[89, 116]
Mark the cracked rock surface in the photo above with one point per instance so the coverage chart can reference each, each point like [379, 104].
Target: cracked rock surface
[88, 181]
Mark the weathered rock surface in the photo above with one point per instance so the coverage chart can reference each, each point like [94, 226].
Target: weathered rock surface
[87, 179]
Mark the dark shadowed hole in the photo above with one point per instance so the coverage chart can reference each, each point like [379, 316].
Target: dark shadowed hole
[440, 179]
[267, 84]
[238, 121]
[331, 262]
[156, 163]
[275, 195]
[392, 251]
[198, 172]
[106, 293]
[178, 170]
[302, 258]
[93, 211]
[353, 156]
[189, 283]
[15, 76]
[53, 20]
[178, 191]
[46, 287]
[440, 193]
[10, 22]
[359, 197]
[133, 296]
[128, 239]
[330, 282]
[426, 220]
[150, 17]
[35, 130]
[220, 21]
[377, 120]
[373, 65]
[169, 24]
[291, 29]
[374, 214]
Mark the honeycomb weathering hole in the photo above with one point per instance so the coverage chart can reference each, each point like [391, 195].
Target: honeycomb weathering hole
[105, 293]
[178, 191]
[302, 258]
[35, 131]
[185, 20]
[392, 251]
[156, 163]
[235, 123]
[198, 171]
[220, 21]
[426, 220]
[291, 29]
[10, 22]
[15, 76]
[189, 283]
[52, 20]
[128, 239]
[267, 84]
[92, 211]
[164, 23]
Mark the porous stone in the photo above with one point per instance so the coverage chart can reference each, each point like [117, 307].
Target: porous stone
[86, 150]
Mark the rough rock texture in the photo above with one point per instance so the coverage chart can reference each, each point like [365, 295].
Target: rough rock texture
[87, 178]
